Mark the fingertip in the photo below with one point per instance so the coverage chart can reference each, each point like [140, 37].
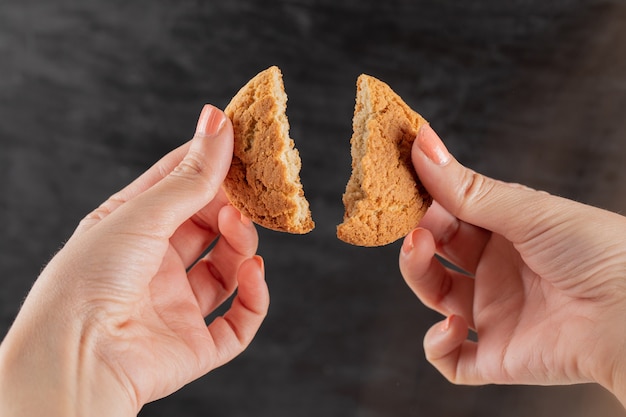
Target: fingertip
[227, 217]
[211, 121]
[253, 291]
[229, 214]
[260, 264]
[445, 336]
[238, 231]
[253, 267]
[416, 253]
[212, 146]
[407, 244]
[435, 166]
[430, 145]
[419, 240]
[443, 346]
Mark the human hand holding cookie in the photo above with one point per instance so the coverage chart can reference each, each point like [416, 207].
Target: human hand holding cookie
[544, 289]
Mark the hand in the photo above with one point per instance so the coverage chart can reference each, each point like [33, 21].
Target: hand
[116, 319]
[547, 291]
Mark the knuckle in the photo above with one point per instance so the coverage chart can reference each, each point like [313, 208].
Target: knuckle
[196, 172]
[473, 190]
[104, 209]
[192, 165]
[163, 171]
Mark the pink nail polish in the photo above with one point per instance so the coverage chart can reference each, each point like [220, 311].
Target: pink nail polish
[429, 142]
[407, 245]
[245, 220]
[211, 121]
[259, 260]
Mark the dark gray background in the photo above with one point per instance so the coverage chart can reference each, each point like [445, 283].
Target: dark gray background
[92, 92]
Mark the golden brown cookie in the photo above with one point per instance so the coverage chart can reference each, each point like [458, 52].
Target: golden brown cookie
[264, 178]
[384, 198]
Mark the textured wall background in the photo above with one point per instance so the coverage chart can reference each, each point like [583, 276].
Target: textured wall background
[93, 92]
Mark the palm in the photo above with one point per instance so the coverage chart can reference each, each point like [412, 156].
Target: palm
[542, 307]
[526, 324]
[155, 310]
[169, 320]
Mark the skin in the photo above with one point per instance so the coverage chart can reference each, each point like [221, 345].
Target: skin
[116, 319]
[545, 289]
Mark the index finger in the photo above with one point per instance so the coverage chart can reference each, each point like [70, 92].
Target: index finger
[233, 332]
[457, 241]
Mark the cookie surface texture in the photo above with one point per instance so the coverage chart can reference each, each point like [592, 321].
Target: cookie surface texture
[384, 199]
[264, 178]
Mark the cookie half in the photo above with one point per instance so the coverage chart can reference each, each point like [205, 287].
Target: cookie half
[384, 199]
[264, 178]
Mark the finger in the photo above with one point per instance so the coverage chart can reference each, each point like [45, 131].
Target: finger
[441, 289]
[447, 349]
[195, 235]
[190, 186]
[459, 242]
[507, 209]
[534, 222]
[214, 278]
[146, 180]
[234, 331]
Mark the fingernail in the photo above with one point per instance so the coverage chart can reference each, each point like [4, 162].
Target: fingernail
[446, 324]
[245, 220]
[407, 245]
[429, 142]
[211, 121]
[259, 261]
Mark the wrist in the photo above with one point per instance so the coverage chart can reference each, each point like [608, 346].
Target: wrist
[611, 367]
[619, 379]
[47, 367]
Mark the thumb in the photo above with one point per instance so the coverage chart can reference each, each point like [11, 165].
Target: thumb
[507, 209]
[190, 186]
